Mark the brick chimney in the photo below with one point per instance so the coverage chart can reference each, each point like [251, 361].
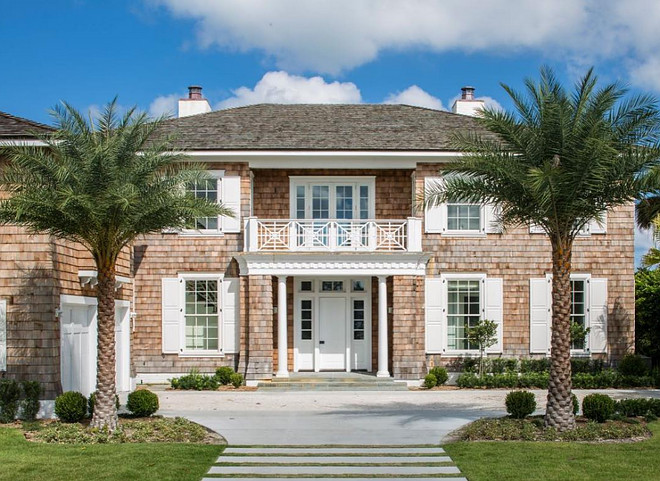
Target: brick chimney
[194, 104]
[467, 104]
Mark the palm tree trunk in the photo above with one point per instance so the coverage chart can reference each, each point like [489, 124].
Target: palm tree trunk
[559, 410]
[105, 411]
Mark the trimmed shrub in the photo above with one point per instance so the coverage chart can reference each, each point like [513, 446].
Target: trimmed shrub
[534, 365]
[633, 365]
[71, 407]
[30, 403]
[520, 404]
[576, 404]
[236, 380]
[587, 366]
[638, 407]
[10, 393]
[430, 381]
[468, 380]
[195, 381]
[92, 401]
[223, 375]
[441, 375]
[142, 403]
[598, 407]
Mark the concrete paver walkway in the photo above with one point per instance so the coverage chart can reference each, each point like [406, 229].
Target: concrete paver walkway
[300, 462]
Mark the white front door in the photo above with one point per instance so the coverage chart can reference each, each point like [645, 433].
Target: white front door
[332, 333]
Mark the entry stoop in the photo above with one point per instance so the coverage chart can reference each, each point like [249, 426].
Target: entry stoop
[332, 381]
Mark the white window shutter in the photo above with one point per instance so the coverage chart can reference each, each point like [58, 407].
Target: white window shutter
[491, 224]
[172, 314]
[3, 335]
[598, 315]
[536, 229]
[231, 198]
[434, 307]
[596, 227]
[230, 314]
[539, 316]
[494, 307]
[435, 218]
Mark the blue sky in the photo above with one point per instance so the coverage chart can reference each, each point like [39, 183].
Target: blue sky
[246, 51]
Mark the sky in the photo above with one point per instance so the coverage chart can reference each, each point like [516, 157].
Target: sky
[419, 52]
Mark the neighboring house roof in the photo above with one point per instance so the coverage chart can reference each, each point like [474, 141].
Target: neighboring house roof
[12, 127]
[320, 127]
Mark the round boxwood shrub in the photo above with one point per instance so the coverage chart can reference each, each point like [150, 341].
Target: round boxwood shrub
[576, 404]
[441, 375]
[71, 407]
[520, 404]
[430, 381]
[236, 380]
[223, 375]
[633, 365]
[92, 401]
[598, 407]
[142, 403]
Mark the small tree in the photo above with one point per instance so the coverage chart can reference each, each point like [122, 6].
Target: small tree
[484, 334]
[578, 334]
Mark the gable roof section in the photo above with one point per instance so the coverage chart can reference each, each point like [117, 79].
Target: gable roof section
[12, 127]
[351, 127]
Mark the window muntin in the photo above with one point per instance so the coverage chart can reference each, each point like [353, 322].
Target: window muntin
[306, 319]
[320, 202]
[463, 217]
[201, 315]
[578, 309]
[364, 202]
[300, 202]
[332, 286]
[463, 312]
[358, 319]
[205, 189]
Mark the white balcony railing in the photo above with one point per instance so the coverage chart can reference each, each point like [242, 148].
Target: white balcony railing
[289, 235]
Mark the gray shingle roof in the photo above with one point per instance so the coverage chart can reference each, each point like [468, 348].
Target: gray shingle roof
[17, 127]
[320, 127]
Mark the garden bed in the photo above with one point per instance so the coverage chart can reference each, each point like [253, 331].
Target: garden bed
[533, 429]
[131, 430]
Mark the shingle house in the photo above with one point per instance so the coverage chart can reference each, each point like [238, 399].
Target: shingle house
[329, 264]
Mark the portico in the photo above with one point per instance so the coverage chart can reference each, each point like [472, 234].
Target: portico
[332, 312]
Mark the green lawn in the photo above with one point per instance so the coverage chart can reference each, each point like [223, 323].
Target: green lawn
[512, 461]
[20, 459]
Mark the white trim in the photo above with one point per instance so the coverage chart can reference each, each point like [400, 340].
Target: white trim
[91, 278]
[344, 264]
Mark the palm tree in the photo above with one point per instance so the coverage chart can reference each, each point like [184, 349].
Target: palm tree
[558, 162]
[102, 183]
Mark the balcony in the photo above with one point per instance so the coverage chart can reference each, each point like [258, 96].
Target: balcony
[315, 235]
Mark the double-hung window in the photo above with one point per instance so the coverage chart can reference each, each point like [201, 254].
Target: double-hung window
[202, 315]
[217, 188]
[464, 300]
[208, 189]
[579, 310]
[462, 217]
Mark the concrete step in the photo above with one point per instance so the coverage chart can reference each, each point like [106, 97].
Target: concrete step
[332, 386]
[333, 450]
[333, 470]
[329, 460]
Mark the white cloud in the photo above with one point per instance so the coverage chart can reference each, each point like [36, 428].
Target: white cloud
[283, 88]
[331, 36]
[414, 95]
[164, 105]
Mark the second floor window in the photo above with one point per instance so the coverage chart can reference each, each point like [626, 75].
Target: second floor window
[463, 217]
[206, 189]
[341, 198]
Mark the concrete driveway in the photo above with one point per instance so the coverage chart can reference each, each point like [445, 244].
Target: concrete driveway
[280, 418]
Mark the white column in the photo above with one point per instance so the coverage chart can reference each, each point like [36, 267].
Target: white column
[282, 348]
[382, 327]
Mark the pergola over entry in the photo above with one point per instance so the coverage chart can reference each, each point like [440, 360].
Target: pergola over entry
[283, 265]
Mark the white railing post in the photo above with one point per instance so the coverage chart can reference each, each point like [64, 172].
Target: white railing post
[332, 234]
[414, 234]
[293, 235]
[250, 234]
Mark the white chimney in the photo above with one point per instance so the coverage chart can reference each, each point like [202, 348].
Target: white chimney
[194, 104]
[467, 104]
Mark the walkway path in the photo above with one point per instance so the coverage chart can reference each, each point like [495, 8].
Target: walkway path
[420, 463]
